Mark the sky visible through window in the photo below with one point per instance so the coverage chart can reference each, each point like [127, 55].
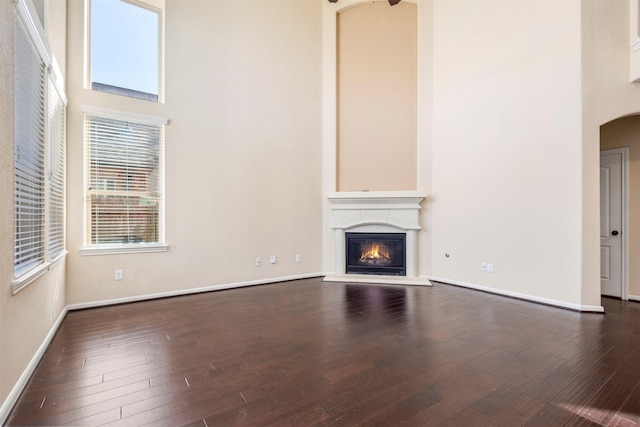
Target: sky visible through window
[124, 45]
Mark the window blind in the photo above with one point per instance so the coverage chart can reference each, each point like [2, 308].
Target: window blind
[29, 152]
[56, 171]
[125, 178]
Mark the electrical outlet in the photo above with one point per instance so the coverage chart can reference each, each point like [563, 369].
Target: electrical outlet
[119, 275]
[297, 258]
[490, 267]
[272, 259]
[484, 266]
[258, 262]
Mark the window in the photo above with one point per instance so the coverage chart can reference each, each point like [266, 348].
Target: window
[125, 49]
[56, 169]
[124, 170]
[29, 152]
[39, 141]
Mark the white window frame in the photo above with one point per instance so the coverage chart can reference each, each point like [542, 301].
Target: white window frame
[27, 16]
[56, 167]
[634, 29]
[156, 6]
[123, 248]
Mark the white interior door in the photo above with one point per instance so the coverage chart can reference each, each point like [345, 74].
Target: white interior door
[611, 204]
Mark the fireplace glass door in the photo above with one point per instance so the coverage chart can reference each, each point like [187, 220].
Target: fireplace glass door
[376, 253]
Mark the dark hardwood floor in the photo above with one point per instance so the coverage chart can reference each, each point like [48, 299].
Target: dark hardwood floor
[313, 353]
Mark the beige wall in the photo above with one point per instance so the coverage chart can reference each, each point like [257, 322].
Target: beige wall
[507, 146]
[511, 97]
[377, 97]
[57, 17]
[607, 94]
[620, 133]
[243, 168]
[27, 317]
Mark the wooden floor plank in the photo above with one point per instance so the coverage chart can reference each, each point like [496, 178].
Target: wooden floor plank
[335, 354]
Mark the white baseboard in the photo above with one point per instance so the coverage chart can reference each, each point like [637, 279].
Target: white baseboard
[635, 298]
[525, 297]
[386, 280]
[13, 396]
[180, 292]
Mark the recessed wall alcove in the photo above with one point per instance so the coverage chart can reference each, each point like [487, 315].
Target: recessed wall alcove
[377, 97]
[374, 160]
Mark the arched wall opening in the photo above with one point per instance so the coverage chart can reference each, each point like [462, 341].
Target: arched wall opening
[620, 133]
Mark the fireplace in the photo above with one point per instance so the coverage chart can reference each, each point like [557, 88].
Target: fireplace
[384, 213]
[376, 253]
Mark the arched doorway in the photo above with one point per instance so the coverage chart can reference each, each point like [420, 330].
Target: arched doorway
[620, 142]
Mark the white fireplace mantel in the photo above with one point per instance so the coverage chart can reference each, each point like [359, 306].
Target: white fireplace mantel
[376, 212]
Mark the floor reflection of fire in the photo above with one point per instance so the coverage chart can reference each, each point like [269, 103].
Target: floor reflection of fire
[376, 254]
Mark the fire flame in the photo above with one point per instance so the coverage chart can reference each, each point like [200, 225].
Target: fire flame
[374, 252]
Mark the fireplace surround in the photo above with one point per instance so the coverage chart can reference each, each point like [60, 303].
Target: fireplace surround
[375, 212]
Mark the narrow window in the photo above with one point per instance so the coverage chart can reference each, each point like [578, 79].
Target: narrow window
[125, 180]
[39, 106]
[124, 49]
[56, 171]
[29, 152]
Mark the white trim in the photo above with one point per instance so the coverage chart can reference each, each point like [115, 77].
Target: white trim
[625, 222]
[351, 196]
[22, 281]
[377, 202]
[525, 297]
[624, 152]
[635, 298]
[19, 386]
[55, 75]
[27, 13]
[124, 115]
[387, 280]
[87, 45]
[26, 279]
[356, 224]
[123, 249]
[181, 292]
[634, 21]
[58, 259]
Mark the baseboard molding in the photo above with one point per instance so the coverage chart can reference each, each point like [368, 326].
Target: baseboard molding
[524, 297]
[386, 280]
[13, 396]
[181, 292]
[635, 298]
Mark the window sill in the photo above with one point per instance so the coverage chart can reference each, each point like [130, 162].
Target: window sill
[23, 281]
[123, 249]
